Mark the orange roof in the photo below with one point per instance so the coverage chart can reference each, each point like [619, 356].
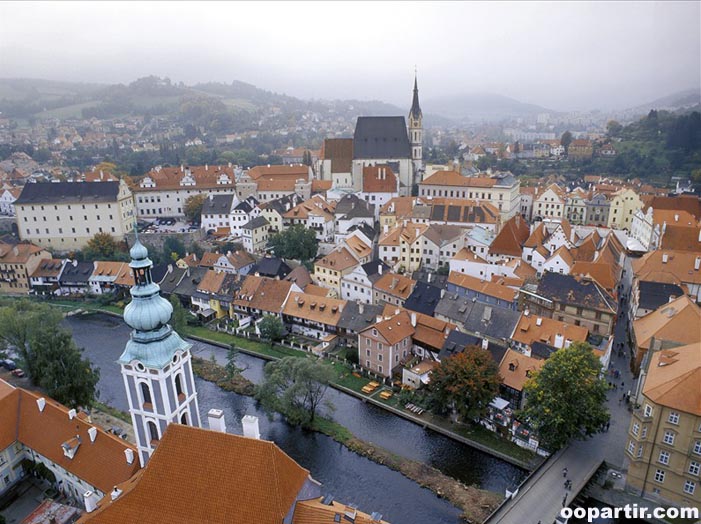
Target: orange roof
[209, 259]
[536, 237]
[18, 254]
[293, 172]
[275, 184]
[603, 273]
[263, 293]
[100, 176]
[453, 178]
[516, 368]
[205, 177]
[511, 238]
[314, 511]
[338, 260]
[319, 186]
[317, 309]
[673, 217]
[316, 205]
[466, 254]
[671, 322]
[125, 277]
[358, 247]
[379, 179]
[198, 475]
[408, 233]
[340, 152]
[105, 268]
[673, 378]
[317, 291]
[48, 267]
[190, 260]
[395, 328]
[395, 285]
[528, 331]
[564, 253]
[211, 282]
[485, 287]
[689, 203]
[682, 238]
[101, 463]
[678, 267]
[429, 331]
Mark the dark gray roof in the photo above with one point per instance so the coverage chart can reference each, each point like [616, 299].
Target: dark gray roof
[171, 280]
[381, 137]
[431, 277]
[284, 204]
[542, 350]
[158, 272]
[478, 318]
[271, 267]
[351, 206]
[423, 299]
[457, 341]
[257, 222]
[372, 269]
[68, 192]
[574, 291]
[354, 321]
[415, 110]
[80, 273]
[247, 205]
[656, 294]
[192, 278]
[217, 205]
[365, 230]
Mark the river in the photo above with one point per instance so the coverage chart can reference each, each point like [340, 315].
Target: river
[350, 477]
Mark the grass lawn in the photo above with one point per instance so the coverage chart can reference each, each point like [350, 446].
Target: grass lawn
[244, 343]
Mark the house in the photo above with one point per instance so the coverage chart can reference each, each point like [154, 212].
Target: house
[17, 262]
[624, 203]
[216, 210]
[386, 345]
[597, 210]
[44, 280]
[515, 369]
[82, 456]
[75, 278]
[663, 450]
[418, 375]
[300, 276]
[649, 296]
[254, 235]
[242, 213]
[668, 326]
[359, 243]
[440, 244]
[359, 283]
[580, 149]
[424, 298]
[273, 210]
[485, 291]
[356, 316]
[457, 342]
[552, 333]
[316, 214]
[576, 206]
[312, 316]
[272, 267]
[550, 203]
[402, 246]
[330, 270]
[670, 267]
[238, 262]
[392, 289]
[352, 211]
[259, 296]
[104, 275]
[508, 244]
[335, 162]
[65, 215]
[380, 185]
[8, 196]
[479, 239]
[187, 285]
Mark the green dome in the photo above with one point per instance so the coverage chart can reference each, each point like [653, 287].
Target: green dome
[138, 251]
[148, 313]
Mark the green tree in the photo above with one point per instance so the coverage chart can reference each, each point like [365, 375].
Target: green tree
[173, 249]
[56, 365]
[466, 382]
[193, 207]
[21, 320]
[613, 128]
[178, 319]
[296, 242]
[566, 140]
[567, 398]
[271, 328]
[103, 246]
[232, 368]
[295, 387]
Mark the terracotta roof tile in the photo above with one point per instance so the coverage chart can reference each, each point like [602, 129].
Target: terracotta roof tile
[395, 285]
[453, 178]
[338, 260]
[317, 309]
[313, 511]
[528, 331]
[511, 238]
[486, 287]
[340, 152]
[673, 378]
[205, 177]
[516, 368]
[671, 322]
[379, 179]
[263, 293]
[281, 172]
[668, 266]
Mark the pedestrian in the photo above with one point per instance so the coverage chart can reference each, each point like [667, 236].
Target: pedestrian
[622, 384]
[564, 472]
[564, 500]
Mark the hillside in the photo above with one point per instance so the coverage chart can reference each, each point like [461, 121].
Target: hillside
[486, 107]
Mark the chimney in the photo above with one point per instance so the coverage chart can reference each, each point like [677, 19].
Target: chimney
[361, 307]
[41, 403]
[250, 427]
[92, 432]
[206, 167]
[215, 417]
[378, 319]
[665, 258]
[379, 269]
[559, 341]
[676, 217]
[182, 168]
[413, 319]
[697, 263]
[90, 501]
[115, 493]
[129, 454]
[396, 311]
[539, 321]
[71, 414]
[485, 343]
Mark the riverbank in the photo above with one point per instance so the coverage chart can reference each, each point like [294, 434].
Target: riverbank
[476, 504]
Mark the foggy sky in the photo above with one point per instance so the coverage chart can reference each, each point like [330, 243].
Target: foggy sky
[564, 56]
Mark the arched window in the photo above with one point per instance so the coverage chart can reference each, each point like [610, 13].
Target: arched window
[152, 431]
[179, 391]
[146, 395]
[183, 419]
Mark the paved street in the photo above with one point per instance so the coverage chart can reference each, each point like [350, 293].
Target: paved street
[541, 498]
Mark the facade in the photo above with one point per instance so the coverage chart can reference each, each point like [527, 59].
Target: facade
[380, 185]
[624, 204]
[386, 345]
[7, 200]
[663, 452]
[392, 289]
[254, 235]
[598, 209]
[216, 211]
[331, 269]
[358, 284]
[64, 216]
[311, 315]
[550, 203]
[156, 363]
[17, 263]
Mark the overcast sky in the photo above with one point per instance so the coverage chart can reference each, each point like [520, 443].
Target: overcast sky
[561, 55]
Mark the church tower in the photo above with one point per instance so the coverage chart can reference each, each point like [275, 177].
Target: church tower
[156, 363]
[416, 134]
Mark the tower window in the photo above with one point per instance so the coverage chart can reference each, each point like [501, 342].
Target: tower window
[146, 395]
[183, 419]
[179, 391]
[152, 432]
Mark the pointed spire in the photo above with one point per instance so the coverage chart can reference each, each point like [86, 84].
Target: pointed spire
[415, 112]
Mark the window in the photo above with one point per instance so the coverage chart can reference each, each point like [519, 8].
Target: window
[664, 457]
[631, 447]
[368, 352]
[179, 391]
[659, 476]
[367, 343]
[648, 410]
[697, 447]
[183, 419]
[640, 451]
[673, 418]
[379, 368]
[644, 433]
[379, 358]
[152, 431]
[689, 487]
[668, 438]
[636, 429]
[146, 394]
[694, 468]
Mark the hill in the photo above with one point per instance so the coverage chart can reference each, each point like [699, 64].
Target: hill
[481, 106]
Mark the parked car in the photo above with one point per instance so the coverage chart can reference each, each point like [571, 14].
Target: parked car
[18, 373]
[8, 364]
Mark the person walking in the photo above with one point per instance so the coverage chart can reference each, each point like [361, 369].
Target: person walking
[564, 472]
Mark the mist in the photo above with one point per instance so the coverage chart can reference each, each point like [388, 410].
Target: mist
[562, 56]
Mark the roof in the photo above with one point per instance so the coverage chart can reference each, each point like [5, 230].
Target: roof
[511, 238]
[356, 246]
[76, 273]
[300, 276]
[68, 193]
[671, 322]
[280, 172]
[101, 463]
[453, 178]
[395, 328]
[458, 341]
[689, 203]
[516, 368]
[338, 260]
[312, 307]
[209, 259]
[319, 291]
[395, 285]
[212, 281]
[99, 176]
[408, 232]
[316, 205]
[204, 177]
[576, 291]
[382, 137]
[107, 270]
[531, 328]
[379, 179]
[423, 298]
[652, 295]
[48, 268]
[187, 285]
[198, 475]
[256, 223]
[352, 206]
[442, 234]
[673, 378]
[604, 274]
[485, 287]
[217, 204]
[354, 321]
[172, 279]
[340, 152]
[18, 253]
[667, 266]
[271, 267]
[477, 317]
[682, 238]
[263, 293]
[314, 511]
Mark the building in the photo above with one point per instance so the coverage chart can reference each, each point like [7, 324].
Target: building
[336, 162]
[65, 215]
[17, 263]
[45, 278]
[156, 363]
[670, 267]
[386, 345]
[8, 196]
[624, 203]
[392, 289]
[216, 211]
[254, 235]
[580, 149]
[651, 295]
[331, 269]
[515, 369]
[532, 331]
[550, 203]
[380, 185]
[663, 452]
[82, 457]
[358, 284]
[261, 296]
[485, 291]
[311, 315]
[597, 210]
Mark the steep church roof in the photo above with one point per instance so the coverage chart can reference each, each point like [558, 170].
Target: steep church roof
[415, 111]
[381, 137]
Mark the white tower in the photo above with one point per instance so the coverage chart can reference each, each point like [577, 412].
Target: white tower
[156, 362]
[416, 134]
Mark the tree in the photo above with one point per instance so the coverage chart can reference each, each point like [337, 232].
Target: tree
[173, 249]
[296, 242]
[232, 368]
[20, 321]
[613, 128]
[466, 382]
[56, 365]
[566, 140]
[178, 320]
[102, 246]
[566, 398]
[193, 207]
[295, 387]
[271, 328]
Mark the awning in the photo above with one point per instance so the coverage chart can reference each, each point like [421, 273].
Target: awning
[206, 312]
[499, 403]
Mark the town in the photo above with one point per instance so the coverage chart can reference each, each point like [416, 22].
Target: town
[223, 304]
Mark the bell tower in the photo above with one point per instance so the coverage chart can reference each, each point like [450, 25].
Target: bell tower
[156, 363]
[416, 133]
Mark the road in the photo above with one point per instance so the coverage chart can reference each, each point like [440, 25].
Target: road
[541, 497]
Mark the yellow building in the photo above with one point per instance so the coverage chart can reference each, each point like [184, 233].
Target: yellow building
[16, 264]
[402, 246]
[664, 439]
[624, 204]
[329, 270]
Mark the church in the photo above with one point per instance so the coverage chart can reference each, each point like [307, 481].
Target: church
[377, 140]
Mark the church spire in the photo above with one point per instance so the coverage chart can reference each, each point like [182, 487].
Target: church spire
[415, 112]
